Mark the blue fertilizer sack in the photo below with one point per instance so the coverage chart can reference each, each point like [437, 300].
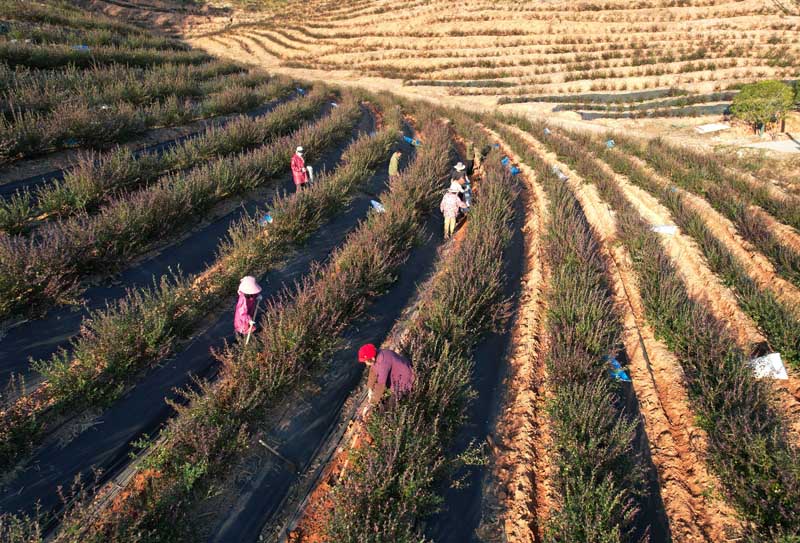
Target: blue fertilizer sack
[616, 371]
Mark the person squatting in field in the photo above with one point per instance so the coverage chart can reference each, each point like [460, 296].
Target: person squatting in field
[394, 165]
[299, 170]
[386, 368]
[249, 296]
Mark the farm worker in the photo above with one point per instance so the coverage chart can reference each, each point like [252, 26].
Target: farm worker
[478, 158]
[394, 165]
[449, 207]
[470, 155]
[460, 176]
[299, 171]
[249, 296]
[386, 368]
[459, 173]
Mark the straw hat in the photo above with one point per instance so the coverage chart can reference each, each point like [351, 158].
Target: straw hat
[248, 285]
[299, 149]
[460, 167]
[455, 188]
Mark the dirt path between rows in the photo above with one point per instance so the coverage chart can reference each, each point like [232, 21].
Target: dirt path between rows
[310, 522]
[520, 491]
[678, 447]
[705, 285]
[758, 267]
[784, 232]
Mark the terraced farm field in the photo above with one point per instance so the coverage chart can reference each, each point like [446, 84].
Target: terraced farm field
[581, 345]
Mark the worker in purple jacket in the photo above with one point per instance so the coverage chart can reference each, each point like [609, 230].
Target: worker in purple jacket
[386, 368]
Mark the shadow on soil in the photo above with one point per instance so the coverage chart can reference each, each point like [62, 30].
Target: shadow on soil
[258, 492]
[462, 510]
[103, 441]
[38, 180]
[191, 254]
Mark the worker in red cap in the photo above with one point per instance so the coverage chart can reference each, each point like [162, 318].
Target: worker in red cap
[386, 368]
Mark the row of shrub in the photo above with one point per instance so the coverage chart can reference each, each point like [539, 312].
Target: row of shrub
[650, 105]
[95, 179]
[64, 14]
[704, 173]
[395, 481]
[40, 91]
[600, 473]
[44, 33]
[38, 273]
[33, 55]
[776, 320]
[146, 326]
[748, 445]
[78, 124]
[296, 335]
[730, 194]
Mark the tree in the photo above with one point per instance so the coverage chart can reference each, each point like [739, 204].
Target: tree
[762, 103]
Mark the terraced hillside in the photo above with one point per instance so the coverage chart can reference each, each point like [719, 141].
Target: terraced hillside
[665, 58]
[581, 345]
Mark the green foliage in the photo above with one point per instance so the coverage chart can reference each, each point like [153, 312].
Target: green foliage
[144, 327]
[748, 444]
[392, 484]
[762, 103]
[297, 333]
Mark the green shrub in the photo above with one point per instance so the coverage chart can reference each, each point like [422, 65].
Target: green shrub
[763, 103]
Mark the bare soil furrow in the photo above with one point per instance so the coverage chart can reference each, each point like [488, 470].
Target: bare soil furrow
[678, 446]
[758, 266]
[521, 476]
[788, 235]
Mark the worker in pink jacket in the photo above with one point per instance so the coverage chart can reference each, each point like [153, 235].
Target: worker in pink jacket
[249, 296]
[386, 368]
[449, 207]
[299, 171]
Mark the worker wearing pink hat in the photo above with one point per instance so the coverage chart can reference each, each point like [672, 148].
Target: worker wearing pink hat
[249, 296]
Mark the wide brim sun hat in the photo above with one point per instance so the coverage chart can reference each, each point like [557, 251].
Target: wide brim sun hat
[248, 285]
[460, 167]
[455, 188]
[299, 149]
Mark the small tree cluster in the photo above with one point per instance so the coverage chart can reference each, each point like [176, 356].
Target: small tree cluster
[762, 103]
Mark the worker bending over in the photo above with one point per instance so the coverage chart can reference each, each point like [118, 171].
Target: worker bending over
[386, 368]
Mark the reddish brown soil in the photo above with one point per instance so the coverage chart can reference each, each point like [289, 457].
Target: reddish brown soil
[761, 271]
[758, 267]
[785, 233]
[677, 445]
[318, 506]
[520, 486]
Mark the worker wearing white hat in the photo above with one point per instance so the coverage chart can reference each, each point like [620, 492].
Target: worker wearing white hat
[247, 305]
[460, 176]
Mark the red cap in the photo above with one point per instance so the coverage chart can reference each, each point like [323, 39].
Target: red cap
[367, 352]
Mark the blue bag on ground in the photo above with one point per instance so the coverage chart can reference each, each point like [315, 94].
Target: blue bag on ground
[616, 371]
